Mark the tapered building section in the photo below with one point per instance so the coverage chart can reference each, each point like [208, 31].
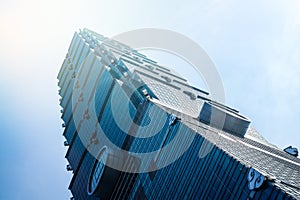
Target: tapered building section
[137, 130]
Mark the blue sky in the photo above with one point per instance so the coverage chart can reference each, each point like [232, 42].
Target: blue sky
[255, 46]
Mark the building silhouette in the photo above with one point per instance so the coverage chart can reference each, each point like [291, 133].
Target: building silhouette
[201, 149]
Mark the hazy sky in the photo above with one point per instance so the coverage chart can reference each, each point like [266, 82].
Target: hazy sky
[255, 46]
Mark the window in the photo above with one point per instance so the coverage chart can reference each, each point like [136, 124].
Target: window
[97, 171]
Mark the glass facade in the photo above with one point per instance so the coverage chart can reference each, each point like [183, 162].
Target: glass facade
[134, 92]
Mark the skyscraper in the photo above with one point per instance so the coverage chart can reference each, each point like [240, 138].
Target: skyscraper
[138, 130]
